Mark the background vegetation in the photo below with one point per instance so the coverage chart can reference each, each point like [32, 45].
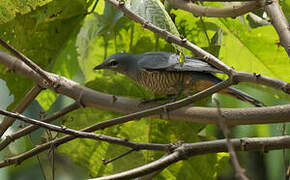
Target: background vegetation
[60, 37]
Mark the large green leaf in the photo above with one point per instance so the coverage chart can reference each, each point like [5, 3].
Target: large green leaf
[89, 153]
[154, 12]
[9, 9]
[106, 33]
[41, 35]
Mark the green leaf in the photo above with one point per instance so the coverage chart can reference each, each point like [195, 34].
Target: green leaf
[66, 65]
[154, 12]
[9, 9]
[41, 35]
[90, 153]
[254, 50]
[97, 40]
[245, 49]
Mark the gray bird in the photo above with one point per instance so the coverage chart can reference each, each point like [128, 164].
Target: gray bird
[162, 73]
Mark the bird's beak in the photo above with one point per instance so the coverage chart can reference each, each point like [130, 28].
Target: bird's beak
[101, 66]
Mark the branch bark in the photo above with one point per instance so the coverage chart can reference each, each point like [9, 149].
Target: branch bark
[280, 23]
[229, 11]
[89, 97]
[82, 134]
[26, 130]
[233, 156]
[192, 149]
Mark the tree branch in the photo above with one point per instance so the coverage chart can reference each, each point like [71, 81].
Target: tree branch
[27, 61]
[221, 0]
[95, 127]
[239, 171]
[257, 78]
[280, 23]
[100, 100]
[272, 143]
[211, 59]
[81, 134]
[26, 130]
[28, 98]
[229, 11]
[187, 150]
[123, 119]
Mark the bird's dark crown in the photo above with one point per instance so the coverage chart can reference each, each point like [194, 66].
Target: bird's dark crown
[124, 63]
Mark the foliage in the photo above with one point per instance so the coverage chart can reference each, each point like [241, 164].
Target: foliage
[61, 38]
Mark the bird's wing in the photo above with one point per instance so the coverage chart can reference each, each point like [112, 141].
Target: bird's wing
[169, 62]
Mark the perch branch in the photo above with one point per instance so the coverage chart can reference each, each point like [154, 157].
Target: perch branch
[100, 100]
[115, 121]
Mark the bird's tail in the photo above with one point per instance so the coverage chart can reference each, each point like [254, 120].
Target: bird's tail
[242, 96]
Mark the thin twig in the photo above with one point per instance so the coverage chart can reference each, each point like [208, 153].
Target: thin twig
[239, 171]
[172, 38]
[285, 162]
[52, 151]
[28, 98]
[22, 132]
[94, 7]
[76, 133]
[118, 157]
[27, 61]
[38, 160]
[240, 144]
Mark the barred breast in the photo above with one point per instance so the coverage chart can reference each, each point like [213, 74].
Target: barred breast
[164, 82]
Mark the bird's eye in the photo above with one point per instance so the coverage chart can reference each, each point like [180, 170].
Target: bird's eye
[114, 63]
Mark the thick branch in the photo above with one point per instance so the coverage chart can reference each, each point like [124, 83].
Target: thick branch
[229, 11]
[188, 150]
[126, 105]
[280, 23]
[123, 119]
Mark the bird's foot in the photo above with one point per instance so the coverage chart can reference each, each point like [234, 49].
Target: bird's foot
[167, 99]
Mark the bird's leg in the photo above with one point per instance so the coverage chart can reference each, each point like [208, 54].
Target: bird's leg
[168, 97]
[176, 96]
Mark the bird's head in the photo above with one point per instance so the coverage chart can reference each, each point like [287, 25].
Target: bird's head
[124, 63]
